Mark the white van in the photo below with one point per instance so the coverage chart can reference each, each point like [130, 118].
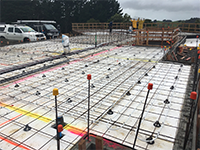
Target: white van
[20, 33]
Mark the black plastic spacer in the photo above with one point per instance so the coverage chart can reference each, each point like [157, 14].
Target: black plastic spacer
[92, 86]
[157, 124]
[69, 100]
[172, 87]
[37, 93]
[16, 85]
[166, 101]
[110, 112]
[150, 138]
[27, 128]
[128, 93]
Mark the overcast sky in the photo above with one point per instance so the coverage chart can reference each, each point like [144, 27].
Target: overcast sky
[161, 9]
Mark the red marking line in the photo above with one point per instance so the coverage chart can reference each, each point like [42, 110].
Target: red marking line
[13, 143]
[10, 120]
[9, 141]
[55, 68]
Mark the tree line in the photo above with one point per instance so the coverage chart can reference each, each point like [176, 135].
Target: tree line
[64, 12]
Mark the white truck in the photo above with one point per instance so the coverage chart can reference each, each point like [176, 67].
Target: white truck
[20, 33]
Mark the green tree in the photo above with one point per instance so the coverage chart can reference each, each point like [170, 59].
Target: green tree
[116, 18]
[127, 17]
[147, 21]
[11, 11]
[64, 12]
[92, 20]
[100, 10]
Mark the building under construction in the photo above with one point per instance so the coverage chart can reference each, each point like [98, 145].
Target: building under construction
[119, 90]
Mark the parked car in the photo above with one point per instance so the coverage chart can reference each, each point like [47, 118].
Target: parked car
[43, 26]
[20, 33]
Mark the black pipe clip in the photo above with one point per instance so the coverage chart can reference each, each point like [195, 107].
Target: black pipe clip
[83, 72]
[108, 68]
[176, 77]
[43, 75]
[107, 76]
[172, 87]
[66, 80]
[138, 82]
[146, 74]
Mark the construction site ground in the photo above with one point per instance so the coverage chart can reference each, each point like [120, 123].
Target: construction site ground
[120, 76]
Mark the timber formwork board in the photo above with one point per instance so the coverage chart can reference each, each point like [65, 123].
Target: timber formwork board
[156, 37]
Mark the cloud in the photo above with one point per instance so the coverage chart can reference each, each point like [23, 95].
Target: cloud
[156, 5]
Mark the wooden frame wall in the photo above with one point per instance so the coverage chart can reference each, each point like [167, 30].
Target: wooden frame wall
[185, 27]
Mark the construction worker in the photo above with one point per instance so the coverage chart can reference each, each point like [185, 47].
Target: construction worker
[130, 29]
[65, 43]
[134, 23]
[141, 22]
[110, 26]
